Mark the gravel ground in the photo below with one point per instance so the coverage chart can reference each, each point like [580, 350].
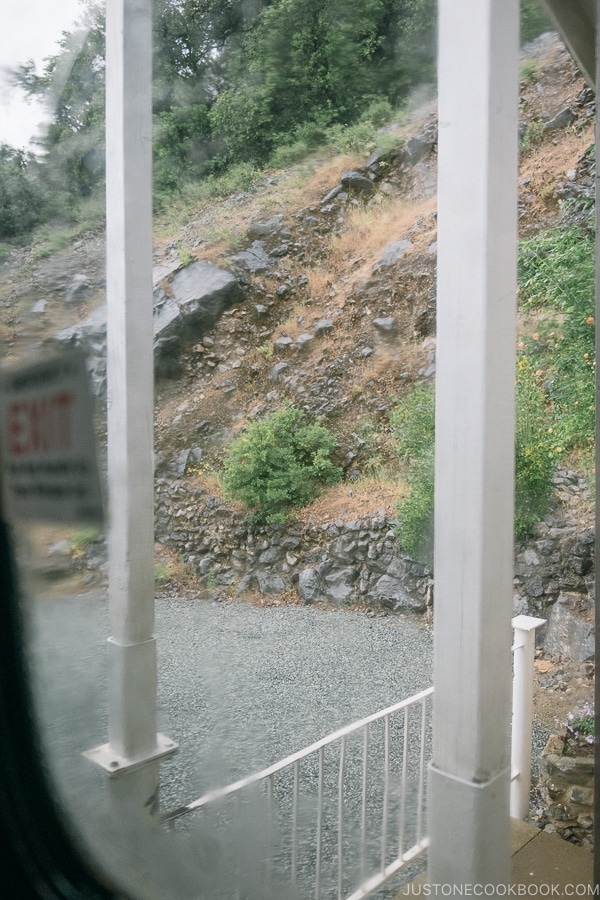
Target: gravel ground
[240, 687]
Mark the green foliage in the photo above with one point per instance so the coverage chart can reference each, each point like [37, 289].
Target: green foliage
[278, 463]
[534, 20]
[233, 81]
[533, 136]
[557, 273]
[412, 423]
[23, 201]
[181, 148]
[534, 452]
[528, 70]
[82, 538]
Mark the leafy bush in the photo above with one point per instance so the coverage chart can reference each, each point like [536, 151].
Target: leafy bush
[534, 455]
[378, 112]
[280, 462]
[22, 199]
[534, 20]
[557, 271]
[412, 424]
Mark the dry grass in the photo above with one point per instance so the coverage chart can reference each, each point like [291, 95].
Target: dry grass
[368, 229]
[365, 497]
[320, 282]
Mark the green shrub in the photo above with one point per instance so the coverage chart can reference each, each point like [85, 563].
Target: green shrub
[415, 529]
[412, 423]
[288, 154]
[528, 70]
[378, 112]
[357, 138]
[534, 134]
[557, 271]
[534, 455]
[278, 463]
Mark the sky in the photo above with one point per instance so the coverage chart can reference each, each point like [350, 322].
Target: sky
[28, 29]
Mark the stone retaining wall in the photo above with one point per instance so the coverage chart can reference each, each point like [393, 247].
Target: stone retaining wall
[567, 789]
[347, 562]
[339, 562]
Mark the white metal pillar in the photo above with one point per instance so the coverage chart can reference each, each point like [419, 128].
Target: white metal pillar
[476, 315]
[134, 746]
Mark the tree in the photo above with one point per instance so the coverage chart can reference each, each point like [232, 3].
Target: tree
[22, 199]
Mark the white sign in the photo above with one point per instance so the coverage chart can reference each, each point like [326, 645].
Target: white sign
[47, 442]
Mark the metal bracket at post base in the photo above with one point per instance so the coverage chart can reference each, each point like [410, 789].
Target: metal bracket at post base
[105, 757]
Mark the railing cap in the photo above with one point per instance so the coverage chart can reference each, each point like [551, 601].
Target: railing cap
[527, 623]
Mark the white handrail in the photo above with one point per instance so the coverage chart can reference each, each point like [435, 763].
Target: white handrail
[395, 787]
[220, 793]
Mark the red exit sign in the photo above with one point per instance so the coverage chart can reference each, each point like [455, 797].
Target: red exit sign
[47, 442]
[41, 424]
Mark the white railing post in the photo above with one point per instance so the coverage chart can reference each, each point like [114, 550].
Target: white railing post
[522, 713]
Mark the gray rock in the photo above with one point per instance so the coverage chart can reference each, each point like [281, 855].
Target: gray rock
[283, 343]
[391, 593]
[270, 584]
[322, 326]
[570, 630]
[356, 183]
[255, 259]
[182, 463]
[304, 340]
[385, 324]
[201, 294]
[278, 370]
[391, 254]
[269, 556]
[89, 334]
[78, 289]
[162, 271]
[338, 586]
[417, 147]
[332, 194]
[309, 585]
[266, 228]
[562, 119]
[39, 307]
[245, 584]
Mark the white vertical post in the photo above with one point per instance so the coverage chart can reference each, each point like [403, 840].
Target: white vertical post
[474, 476]
[522, 713]
[134, 746]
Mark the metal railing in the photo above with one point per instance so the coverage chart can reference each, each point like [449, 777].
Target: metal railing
[330, 837]
[341, 817]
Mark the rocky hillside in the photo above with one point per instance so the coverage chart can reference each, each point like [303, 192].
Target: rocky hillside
[330, 267]
[317, 287]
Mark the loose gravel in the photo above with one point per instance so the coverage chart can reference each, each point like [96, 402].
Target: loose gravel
[240, 687]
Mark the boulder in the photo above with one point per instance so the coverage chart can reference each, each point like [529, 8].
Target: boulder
[201, 294]
[254, 259]
[309, 585]
[269, 584]
[391, 593]
[355, 183]
[562, 119]
[570, 630]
